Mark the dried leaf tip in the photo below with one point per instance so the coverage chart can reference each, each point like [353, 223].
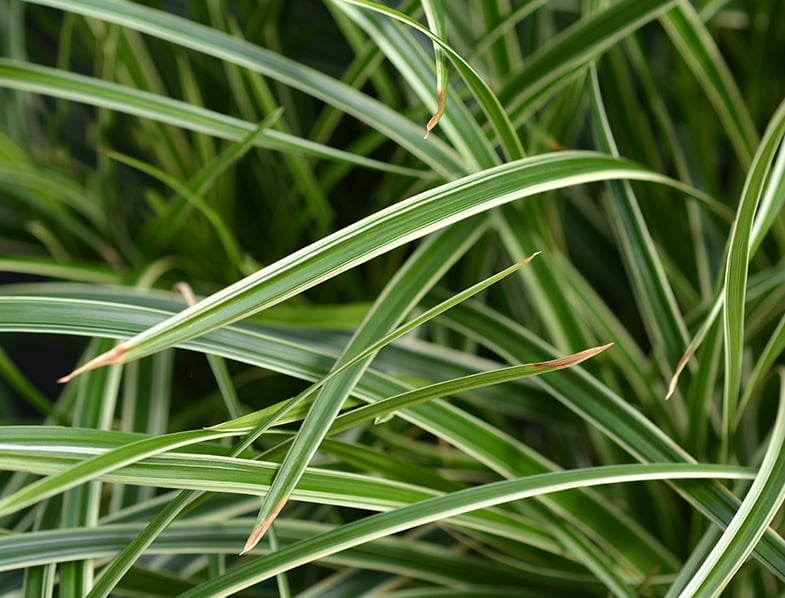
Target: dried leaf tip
[437, 115]
[258, 533]
[671, 387]
[679, 369]
[110, 357]
[253, 539]
[526, 260]
[185, 290]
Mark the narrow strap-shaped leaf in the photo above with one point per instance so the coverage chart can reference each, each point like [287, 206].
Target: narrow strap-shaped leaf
[544, 283]
[48, 268]
[435, 15]
[421, 271]
[598, 404]
[755, 513]
[698, 49]
[441, 389]
[574, 49]
[101, 464]
[96, 399]
[460, 127]
[758, 205]
[414, 555]
[376, 234]
[768, 357]
[654, 295]
[208, 471]
[737, 261]
[95, 92]
[385, 524]
[486, 98]
[247, 422]
[212, 42]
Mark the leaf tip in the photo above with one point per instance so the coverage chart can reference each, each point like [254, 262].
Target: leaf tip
[258, 533]
[253, 539]
[110, 357]
[185, 290]
[671, 388]
[570, 360]
[679, 369]
[437, 115]
[526, 260]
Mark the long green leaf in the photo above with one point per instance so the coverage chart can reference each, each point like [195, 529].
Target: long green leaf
[755, 215]
[407, 554]
[486, 98]
[32, 449]
[737, 263]
[384, 524]
[381, 232]
[697, 47]
[95, 92]
[654, 295]
[102, 464]
[460, 126]
[498, 451]
[216, 43]
[419, 395]
[251, 420]
[611, 414]
[401, 294]
[573, 50]
[755, 513]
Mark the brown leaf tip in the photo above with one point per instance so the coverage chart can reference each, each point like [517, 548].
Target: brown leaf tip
[526, 260]
[259, 532]
[573, 359]
[437, 115]
[679, 369]
[110, 357]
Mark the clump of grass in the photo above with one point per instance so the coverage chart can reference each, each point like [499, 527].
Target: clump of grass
[417, 416]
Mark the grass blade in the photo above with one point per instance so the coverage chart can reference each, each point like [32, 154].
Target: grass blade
[755, 513]
[385, 230]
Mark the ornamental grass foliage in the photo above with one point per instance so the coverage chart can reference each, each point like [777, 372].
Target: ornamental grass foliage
[406, 298]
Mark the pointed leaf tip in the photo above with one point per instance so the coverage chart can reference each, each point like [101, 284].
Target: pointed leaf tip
[574, 359]
[110, 357]
[253, 539]
[258, 533]
[526, 260]
[679, 369]
[435, 118]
